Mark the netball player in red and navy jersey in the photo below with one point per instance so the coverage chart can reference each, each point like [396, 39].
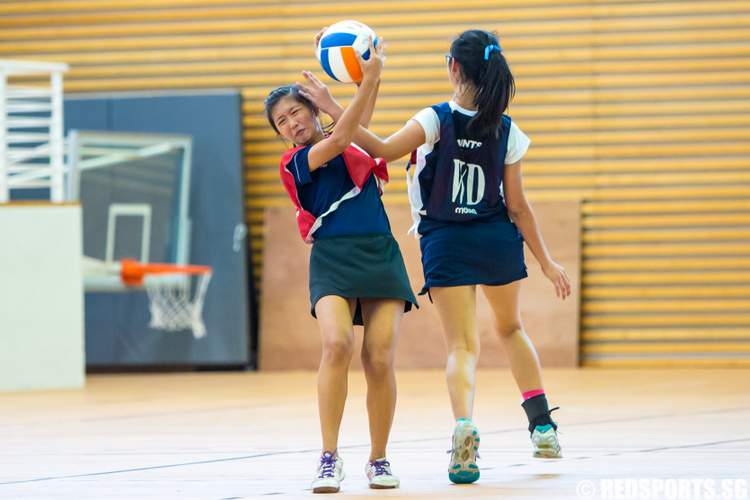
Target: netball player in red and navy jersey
[357, 274]
[472, 218]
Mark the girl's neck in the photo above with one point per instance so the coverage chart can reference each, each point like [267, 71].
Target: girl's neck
[316, 138]
[465, 99]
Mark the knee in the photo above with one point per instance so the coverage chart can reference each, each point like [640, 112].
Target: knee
[338, 350]
[467, 346]
[471, 350]
[377, 362]
[507, 328]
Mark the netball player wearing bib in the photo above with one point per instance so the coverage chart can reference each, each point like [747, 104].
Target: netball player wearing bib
[472, 218]
[357, 274]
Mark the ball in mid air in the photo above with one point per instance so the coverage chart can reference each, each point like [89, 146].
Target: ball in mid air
[337, 46]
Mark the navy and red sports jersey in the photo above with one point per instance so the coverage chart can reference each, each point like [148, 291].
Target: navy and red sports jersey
[341, 198]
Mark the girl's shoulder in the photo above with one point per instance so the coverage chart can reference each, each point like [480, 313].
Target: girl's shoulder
[287, 156]
[442, 109]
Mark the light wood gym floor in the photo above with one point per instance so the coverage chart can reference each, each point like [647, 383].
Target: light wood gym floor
[248, 435]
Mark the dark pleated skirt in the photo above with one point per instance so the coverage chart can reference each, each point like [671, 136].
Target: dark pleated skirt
[359, 267]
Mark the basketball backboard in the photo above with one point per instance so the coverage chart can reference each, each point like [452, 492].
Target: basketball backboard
[133, 190]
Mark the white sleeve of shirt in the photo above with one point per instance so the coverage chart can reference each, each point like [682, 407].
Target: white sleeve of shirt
[518, 142]
[430, 123]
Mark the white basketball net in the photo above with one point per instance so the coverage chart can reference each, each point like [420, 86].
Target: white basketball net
[173, 307]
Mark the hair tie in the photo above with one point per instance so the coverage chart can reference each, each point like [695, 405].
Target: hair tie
[488, 50]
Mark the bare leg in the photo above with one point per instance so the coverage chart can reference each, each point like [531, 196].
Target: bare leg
[524, 362]
[457, 309]
[335, 322]
[381, 318]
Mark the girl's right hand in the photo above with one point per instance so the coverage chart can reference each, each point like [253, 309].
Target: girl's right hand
[557, 275]
[373, 66]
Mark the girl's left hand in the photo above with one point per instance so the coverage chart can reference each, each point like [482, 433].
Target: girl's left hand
[557, 275]
[317, 92]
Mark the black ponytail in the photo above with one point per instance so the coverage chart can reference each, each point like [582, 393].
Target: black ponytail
[483, 66]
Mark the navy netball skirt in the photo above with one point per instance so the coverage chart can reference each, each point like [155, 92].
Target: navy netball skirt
[472, 253]
[359, 267]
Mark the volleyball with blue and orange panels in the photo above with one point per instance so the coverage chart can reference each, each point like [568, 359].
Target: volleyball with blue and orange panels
[337, 46]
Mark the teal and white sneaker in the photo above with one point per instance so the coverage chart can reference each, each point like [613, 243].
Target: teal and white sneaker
[544, 440]
[463, 468]
[330, 474]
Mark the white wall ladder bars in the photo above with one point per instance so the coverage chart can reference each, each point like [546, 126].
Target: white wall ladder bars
[31, 128]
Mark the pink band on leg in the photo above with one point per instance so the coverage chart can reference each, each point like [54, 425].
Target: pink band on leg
[531, 394]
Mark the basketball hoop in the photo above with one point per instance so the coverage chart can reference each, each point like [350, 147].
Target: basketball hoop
[175, 293]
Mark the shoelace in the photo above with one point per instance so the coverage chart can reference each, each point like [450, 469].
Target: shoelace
[327, 464]
[381, 467]
[533, 424]
[553, 409]
[476, 453]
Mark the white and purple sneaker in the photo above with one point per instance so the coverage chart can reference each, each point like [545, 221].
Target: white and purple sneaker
[330, 473]
[380, 476]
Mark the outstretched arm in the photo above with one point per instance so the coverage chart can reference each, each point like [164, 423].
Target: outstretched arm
[403, 142]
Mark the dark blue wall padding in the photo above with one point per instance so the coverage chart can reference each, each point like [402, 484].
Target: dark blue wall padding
[117, 332]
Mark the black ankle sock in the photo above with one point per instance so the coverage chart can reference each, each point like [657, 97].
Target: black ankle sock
[538, 412]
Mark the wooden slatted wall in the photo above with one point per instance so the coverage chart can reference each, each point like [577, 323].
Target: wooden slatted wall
[637, 108]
